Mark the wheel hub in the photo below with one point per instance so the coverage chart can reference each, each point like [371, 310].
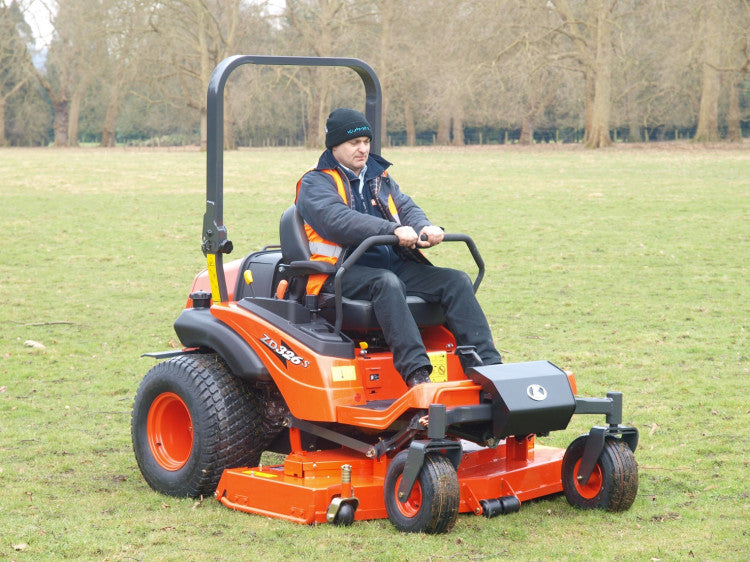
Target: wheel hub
[169, 429]
[591, 488]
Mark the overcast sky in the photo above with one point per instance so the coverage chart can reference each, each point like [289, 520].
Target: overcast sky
[40, 13]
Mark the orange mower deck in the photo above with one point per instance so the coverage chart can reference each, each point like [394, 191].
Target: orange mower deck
[302, 488]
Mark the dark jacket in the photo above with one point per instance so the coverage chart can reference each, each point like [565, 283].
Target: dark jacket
[349, 223]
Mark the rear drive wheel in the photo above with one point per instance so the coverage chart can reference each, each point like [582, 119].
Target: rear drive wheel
[612, 485]
[192, 419]
[432, 506]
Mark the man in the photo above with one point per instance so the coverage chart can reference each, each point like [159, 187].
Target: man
[350, 197]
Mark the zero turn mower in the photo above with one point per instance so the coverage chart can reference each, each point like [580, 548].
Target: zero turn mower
[312, 379]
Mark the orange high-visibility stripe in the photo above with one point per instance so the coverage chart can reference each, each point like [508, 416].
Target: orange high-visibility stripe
[339, 183]
[392, 208]
[337, 180]
[315, 282]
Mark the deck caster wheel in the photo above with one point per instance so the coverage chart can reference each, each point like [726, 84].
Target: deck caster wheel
[612, 485]
[192, 419]
[432, 506]
[345, 516]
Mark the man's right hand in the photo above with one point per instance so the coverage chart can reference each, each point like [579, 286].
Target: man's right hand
[407, 236]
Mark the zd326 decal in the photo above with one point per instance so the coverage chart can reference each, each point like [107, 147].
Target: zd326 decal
[283, 351]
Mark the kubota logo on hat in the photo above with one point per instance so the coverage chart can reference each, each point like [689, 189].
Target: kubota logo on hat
[357, 130]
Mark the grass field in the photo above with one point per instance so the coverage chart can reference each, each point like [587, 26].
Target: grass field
[628, 266]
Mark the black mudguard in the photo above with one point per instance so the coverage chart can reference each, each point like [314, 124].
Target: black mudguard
[197, 327]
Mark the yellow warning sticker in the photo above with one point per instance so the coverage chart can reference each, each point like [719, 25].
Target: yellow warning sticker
[344, 373]
[212, 277]
[439, 361]
[260, 474]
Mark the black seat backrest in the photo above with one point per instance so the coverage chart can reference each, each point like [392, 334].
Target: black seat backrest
[294, 243]
[294, 247]
[358, 315]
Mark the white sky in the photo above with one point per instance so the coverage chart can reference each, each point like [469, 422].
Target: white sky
[39, 14]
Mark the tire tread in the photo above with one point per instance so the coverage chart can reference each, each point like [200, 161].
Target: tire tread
[228, 414]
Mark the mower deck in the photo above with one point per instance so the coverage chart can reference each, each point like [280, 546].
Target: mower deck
[302, 489]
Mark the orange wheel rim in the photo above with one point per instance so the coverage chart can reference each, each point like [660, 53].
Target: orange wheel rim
[411, 506]
[169, 430]
[590, 489]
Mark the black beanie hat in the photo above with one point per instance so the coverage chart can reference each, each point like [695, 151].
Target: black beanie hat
[344, 124]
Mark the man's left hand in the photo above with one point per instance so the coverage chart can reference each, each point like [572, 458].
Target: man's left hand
[430, 236]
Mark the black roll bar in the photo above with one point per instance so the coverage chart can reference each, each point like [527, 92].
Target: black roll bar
[214, 236]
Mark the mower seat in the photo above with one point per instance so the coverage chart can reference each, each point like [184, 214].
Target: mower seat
[358, 315]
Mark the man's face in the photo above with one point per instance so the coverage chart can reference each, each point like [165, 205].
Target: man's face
[353, 153]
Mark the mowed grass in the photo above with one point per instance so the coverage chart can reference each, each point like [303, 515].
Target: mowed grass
[628, 266]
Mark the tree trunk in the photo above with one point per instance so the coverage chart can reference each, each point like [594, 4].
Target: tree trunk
[384, 122]
[110, 121]
[60, 126]
[387, 10]
[589, 104]
[734, 128]
[3, 138]
[634, 132]
[313, 121]
[708, 114]
[444, 126]
[324, 111]
[411, 128]
[229, 141]
[458, 128]
[598, 136]
[74, 114]
[204, 128]
[3, 104]
[527, 130]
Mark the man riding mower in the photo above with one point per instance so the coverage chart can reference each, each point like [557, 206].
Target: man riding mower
[268, 365]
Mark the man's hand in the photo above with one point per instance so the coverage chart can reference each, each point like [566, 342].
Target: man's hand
[407, 237]
[430, 236]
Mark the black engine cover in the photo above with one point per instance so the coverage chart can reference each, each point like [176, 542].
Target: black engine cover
[533, 397]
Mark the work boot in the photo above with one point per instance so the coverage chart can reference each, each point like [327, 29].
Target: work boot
[420, 375]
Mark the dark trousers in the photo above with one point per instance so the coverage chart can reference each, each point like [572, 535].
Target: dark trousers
[451, 288]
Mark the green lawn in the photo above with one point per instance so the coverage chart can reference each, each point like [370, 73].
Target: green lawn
[628, 266]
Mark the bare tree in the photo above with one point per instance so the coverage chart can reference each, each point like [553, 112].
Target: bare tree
[387, 42]
[447, 67]
[72, 64]
[322, 28]
[400, 59]
[127, 39]
[523, 75]
[710, 35]
[196, 35]
[590, 34]
[15, 65]
[725, 50]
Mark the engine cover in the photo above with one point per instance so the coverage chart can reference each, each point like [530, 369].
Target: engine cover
[533, 397]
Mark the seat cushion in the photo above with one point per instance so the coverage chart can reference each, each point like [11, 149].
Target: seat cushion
[360, 315]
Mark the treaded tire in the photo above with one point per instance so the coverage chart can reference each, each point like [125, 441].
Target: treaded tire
[614, 483]
[192, 419]
[433, 505]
